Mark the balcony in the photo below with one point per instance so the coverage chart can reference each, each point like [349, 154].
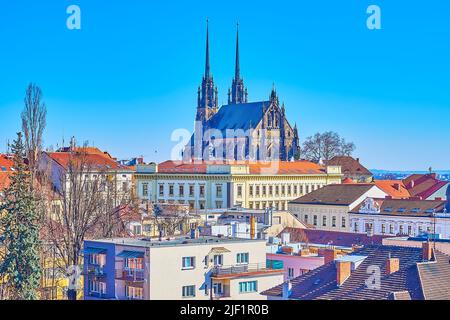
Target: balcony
[130, 275]
[100, 295]
[95, 271]
[242, 270]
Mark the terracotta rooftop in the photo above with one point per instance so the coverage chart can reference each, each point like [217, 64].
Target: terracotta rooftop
[349, 165]
[415, 279]
[335, 194]
[335, 238]
[260, 167]
[423, 185]
[98, 161]
[394, 188]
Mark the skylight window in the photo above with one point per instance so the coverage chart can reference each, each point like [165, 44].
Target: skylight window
[401, 210]
[429, 211]
[3, 168]
[388, 209]
[415, 210]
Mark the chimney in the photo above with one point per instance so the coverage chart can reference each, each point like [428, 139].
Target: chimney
[287, 289]
[392, 265]
[427, 251]
[343, 271]
[328, 255]
[357, 159]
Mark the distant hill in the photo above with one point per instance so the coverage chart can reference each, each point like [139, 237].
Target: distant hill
[380, 174]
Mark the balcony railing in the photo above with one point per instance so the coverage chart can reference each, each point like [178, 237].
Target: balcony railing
[133, 275]
[95, 270]
[241, 268]
[100, 295]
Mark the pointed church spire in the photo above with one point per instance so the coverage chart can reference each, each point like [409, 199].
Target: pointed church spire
[207, 66]
[237, 69]
[207, 96]
[238, 91]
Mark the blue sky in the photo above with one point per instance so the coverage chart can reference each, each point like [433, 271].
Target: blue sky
[129, 77]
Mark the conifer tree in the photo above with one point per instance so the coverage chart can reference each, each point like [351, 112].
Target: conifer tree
[20, 232]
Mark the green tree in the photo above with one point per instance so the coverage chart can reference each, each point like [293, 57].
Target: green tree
[20, 232]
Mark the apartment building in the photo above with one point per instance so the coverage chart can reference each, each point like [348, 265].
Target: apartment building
[252, 185]
[328, 208]
[185, 268]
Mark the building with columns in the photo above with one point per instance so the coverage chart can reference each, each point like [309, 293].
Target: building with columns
[215, 185]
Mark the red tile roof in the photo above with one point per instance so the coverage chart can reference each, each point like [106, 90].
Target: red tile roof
[406, 207]
[349, 165]
[423, 185]
[98, 161]
[260, 167]
[394, 188]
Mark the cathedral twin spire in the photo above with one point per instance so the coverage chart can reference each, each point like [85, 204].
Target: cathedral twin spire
[207, 100]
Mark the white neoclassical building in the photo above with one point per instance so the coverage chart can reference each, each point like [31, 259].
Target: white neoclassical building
[386, 216]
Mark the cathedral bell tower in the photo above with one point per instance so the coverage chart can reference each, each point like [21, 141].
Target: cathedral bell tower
[207, 95]
[238, 93]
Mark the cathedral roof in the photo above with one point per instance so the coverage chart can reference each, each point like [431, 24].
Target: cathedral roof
[238, 116]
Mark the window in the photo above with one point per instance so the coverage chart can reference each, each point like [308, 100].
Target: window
[263, 190]
[333, 221]
[383, 228]
[271, 190]
[134, 264]
[306, 218]
[97, 287]
[248, 286]
[137, 230]
[188, 262]
[391, 229]
[219, 191]
[343, 222]
[289, 190]
[134, 293]
[301, 189]
[356, 227]
[400, 230]
[218, 259]
[315, 220]
[97, 259]
[161, 190]
[188, 291]
[219, 204]
[145, 190]
[191, 191]
[283, 190]
[218, 288]
[125, 186]
[291, 273]
[410, 231]
[277, 190]
[242, 257]
[239, 191]
[250, 190]
[202, 191]
[324, 221]
[295, 190]
[181, 191]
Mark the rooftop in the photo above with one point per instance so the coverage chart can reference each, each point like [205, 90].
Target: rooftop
[335, 194]
[420, 280]
[350, 166]
[174, 242]
[402, 207]
[335, 238]
[254, 167]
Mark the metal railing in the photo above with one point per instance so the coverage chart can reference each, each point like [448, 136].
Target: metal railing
[240, 268]
[95, 270]
[134, 275]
